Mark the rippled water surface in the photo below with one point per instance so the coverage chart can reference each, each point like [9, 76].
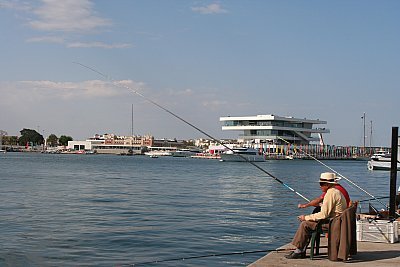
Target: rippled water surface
[106, 210]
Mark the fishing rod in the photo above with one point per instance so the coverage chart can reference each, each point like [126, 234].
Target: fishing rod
[191, 125]
[213, 255]
[339, 174]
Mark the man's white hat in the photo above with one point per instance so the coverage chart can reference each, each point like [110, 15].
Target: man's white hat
[328, 177]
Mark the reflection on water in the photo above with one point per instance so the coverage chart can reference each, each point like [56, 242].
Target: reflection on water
[99, 210]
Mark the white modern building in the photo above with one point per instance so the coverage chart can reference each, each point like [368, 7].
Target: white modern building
[276, 130]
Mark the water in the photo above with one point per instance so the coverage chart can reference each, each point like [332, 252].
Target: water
[106, 210]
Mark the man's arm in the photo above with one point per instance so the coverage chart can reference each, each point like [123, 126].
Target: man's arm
[314, 203]
[326, 209]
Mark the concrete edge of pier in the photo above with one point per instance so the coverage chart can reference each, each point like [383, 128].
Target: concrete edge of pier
[368, 254]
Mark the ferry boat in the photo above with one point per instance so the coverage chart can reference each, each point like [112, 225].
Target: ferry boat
[242, 154]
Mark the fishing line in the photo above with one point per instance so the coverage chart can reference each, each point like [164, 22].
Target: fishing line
[191, 125]
[342, 176]
[213, 255]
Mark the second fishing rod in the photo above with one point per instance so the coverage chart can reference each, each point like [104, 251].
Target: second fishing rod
[339, 175]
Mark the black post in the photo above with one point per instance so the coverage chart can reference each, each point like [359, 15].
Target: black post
[393, 172]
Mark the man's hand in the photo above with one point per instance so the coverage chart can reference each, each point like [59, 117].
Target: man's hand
[302, 206]
[301, 218]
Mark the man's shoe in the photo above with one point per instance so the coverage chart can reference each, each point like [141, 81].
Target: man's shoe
[293, 255]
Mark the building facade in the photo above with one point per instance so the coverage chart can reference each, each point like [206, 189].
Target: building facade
[277, 130]
[113, 144]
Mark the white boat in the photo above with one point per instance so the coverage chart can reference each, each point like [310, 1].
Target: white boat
[206, 156]
[158, 153]
[185, 152]
[242, 154]
[381, 155]
[381, 161]
[380, 165]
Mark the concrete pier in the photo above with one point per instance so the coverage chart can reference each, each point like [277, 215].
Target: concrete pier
[369, 254]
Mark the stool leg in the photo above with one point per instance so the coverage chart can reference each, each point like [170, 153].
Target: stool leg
[317, 241]
[313, 236]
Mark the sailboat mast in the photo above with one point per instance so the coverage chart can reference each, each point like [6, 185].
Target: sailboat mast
[132, 122]
[370, 137]
[363, 117]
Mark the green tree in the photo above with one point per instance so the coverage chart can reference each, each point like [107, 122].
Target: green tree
[52, 140]
[30, 136]
[63, 140]
[10, 140]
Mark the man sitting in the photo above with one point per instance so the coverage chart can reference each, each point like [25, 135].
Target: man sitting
[333, 205]
[317, 202]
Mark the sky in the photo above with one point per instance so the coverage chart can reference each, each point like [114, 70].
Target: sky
[73, 67]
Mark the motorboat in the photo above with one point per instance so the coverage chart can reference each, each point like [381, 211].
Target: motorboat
[381, 161]
[242, 154]
[380, 165]
[185, 152]
[158, 153]
[381, 155]
[206, 156]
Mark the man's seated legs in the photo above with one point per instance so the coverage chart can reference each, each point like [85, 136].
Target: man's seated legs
[302, 238]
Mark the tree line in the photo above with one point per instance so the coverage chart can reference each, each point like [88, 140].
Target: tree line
[31, 137]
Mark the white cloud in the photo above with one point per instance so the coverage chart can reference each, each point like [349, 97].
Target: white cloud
[210, 9]
[16, 5]
[61, 40]
[46, 39]
[70, 18]
[67, 16]
[184, 92]
[97, 45]
[81, 109]
[37, 91]
[214, 104]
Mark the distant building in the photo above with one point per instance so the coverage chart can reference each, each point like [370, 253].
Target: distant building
[271, 129]
[113, 144]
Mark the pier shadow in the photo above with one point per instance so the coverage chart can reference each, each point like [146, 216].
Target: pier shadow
[362, 256]
[367, 256]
